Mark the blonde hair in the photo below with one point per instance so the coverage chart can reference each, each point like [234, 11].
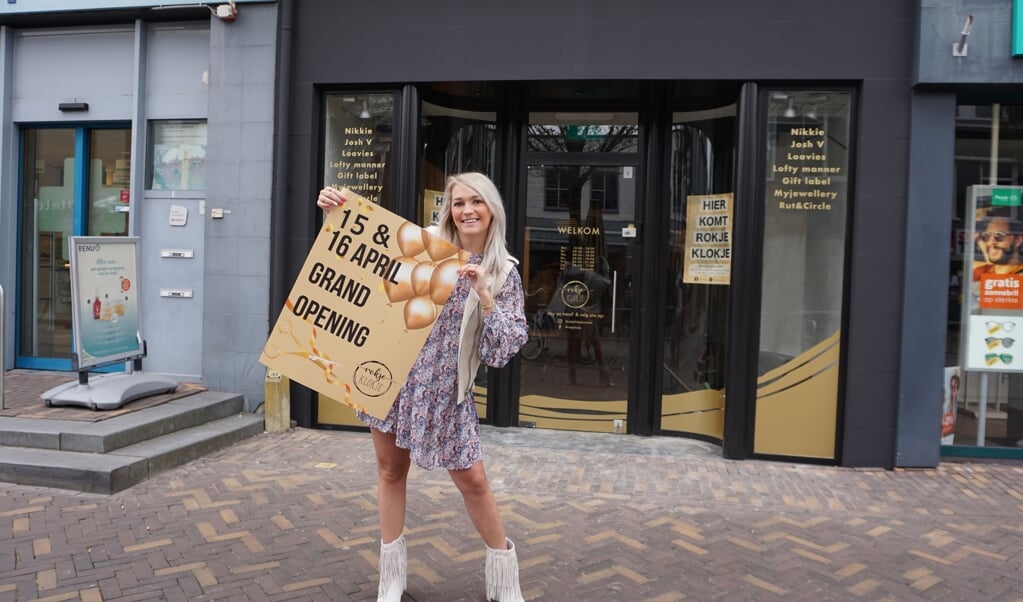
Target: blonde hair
[495, 251]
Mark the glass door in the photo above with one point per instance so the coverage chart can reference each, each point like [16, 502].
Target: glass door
[580, 239]
[74, 182]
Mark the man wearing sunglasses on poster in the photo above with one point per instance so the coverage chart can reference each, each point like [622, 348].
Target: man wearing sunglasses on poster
[998, 238]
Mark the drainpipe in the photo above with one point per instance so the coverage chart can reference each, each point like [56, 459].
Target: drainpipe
[282, 179]
[281, 217]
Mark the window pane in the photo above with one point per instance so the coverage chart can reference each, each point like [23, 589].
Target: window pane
[577, 275]
[583, 132]
[177, 155]
[358, 144]
[48, 208]
[109, 173]
[453, 141]
[806, 207]
[696, 314]
[984, 408]
[805, 221]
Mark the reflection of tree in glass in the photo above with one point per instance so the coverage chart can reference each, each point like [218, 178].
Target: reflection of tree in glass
[582, 138]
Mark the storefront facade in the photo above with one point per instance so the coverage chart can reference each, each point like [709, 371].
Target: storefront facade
[717, 233]
[966, 157]
[147, 119]
[694, 194]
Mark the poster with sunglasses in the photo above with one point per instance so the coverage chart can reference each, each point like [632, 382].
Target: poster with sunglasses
[993, 311]
[992, 343]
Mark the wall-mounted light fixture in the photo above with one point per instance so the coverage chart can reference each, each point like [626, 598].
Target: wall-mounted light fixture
[790, 111]
[73, 106]
[365, 111]
[960, 48]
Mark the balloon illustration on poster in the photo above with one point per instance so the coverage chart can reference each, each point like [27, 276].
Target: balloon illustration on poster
[340, 332]
[401, 288]
[410, 239]
[444, 278]
[423, 284]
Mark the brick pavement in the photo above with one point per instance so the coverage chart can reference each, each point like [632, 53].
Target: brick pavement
[596, 517]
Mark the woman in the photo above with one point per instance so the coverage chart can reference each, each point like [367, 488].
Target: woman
[433, 421]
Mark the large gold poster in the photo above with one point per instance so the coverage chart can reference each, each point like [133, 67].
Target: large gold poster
[362, 306]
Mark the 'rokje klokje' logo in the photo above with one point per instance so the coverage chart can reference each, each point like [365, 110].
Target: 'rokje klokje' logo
[372, 378]
[575, 294]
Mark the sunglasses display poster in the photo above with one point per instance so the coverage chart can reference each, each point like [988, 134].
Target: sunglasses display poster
[993, 311]
[363, 305]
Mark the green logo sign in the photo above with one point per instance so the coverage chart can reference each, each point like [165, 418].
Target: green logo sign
[1005, 197]
[585, 132]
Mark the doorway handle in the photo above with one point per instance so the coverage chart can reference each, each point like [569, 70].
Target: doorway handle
[614, 299]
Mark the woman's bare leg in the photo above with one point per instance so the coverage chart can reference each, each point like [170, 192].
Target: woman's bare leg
[480, 504]
[392, 478]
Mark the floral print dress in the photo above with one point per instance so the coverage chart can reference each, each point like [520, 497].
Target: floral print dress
[426, 418]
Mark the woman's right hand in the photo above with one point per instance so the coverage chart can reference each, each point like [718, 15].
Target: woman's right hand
[329, 198]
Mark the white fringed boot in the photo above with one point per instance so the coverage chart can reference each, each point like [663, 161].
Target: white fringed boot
[393, 570]
[502, 573]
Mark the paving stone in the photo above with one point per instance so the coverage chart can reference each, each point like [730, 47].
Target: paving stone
[596, 517]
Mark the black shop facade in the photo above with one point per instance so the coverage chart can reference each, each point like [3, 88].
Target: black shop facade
[694, 229]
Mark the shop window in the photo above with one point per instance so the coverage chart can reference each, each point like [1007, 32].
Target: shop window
[453, 140]
[357, 156]
[982, 401]
[177, 155]
[697, 304]
[806, 206]
[358, 131]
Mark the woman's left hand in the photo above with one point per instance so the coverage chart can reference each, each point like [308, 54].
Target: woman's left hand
[478, 278]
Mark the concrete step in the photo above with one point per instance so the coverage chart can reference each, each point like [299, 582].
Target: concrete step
[114, 433]
[109, 473]
[184, 446]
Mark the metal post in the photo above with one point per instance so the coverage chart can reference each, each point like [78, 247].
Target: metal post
[982, 411]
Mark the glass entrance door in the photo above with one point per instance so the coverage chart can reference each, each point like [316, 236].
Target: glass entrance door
[580, 237]
[74, 183]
